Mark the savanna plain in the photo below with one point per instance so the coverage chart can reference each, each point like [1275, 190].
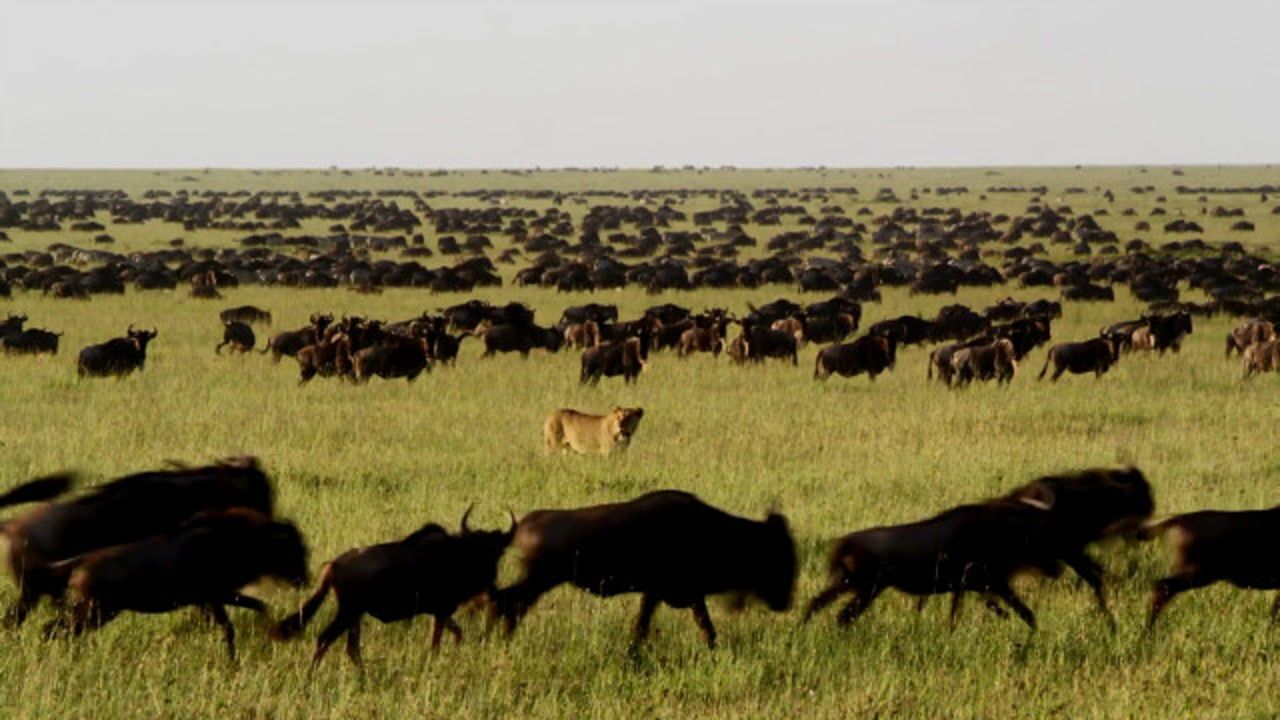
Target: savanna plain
[359, 464]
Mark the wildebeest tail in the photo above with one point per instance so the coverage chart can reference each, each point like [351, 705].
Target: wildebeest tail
[1153, 528]
[292, 625]
[818, 373]
[45, 488]
[1048, 358]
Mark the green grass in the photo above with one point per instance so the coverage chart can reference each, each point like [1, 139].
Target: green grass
[357, 465]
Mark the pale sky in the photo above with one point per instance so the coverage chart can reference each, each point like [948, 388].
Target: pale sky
[188, 83]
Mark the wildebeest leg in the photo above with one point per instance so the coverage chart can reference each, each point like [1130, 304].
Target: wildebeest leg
[957, 598]
[862, 600]
[991, 604]
[825, 598]
[1167, 588]
[28, 598]
[219, 615]
[339, 625]
[648, 604]
[703, 618]
[1275, 608]
[515, 601]
[1057, 373]
[1089, 571]
[452, 626]
[437, 629]
[353, 643]
[218, 349]
[921, 601]
[1011, 599]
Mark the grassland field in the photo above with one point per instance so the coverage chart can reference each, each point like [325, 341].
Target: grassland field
[361, 464]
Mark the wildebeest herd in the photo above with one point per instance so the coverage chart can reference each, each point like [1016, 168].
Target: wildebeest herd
[163, 540]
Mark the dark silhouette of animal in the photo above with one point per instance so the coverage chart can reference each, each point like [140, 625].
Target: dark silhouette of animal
[204, 562]
[520, 338]
[238, 335]
[1095, 356]
[1167, 331]
[758, 342]
[669, 546]
[247, 314]
[12, 324]
[395, 357]
[124, 510]
[870, 354]
[904, 330]
[118, 356]
[430, 572]
[31, 341]
[1214, 546]
[625, 358]
[290, 342]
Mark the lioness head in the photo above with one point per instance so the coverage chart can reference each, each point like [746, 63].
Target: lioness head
[623, 423]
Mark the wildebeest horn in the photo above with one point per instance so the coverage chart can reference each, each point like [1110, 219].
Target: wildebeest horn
[466, 515]
[130, 331]
[514, 522]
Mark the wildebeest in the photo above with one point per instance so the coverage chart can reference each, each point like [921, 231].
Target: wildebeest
[520, 338]
[121, 511]
[870, 354]
[1095, 356]
[1167, 331]
[395, 357]
[204, 562]
[1248, 333]
[830, 328]
[326, 357]
[430, 572]
[668, 545]
[238, 335]
[904, 330]
[1215, 546]
[976, 548]
[757, 342]
[985, 362]
[12, 324]
[290, 342]
[582, 335]
[698, 339]
[247, 314]
[30, 341]
[625, 358]
[118, 356]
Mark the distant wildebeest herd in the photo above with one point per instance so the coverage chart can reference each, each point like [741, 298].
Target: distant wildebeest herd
[159, 541]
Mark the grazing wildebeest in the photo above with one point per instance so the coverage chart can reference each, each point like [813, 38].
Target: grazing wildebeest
[1167, 331]
[870, 354]
[905, 329]
[1216, 545]
[985, 362]
[1248, 333]
[124, 510]
[204, 562]
[430, 572]
[625, 358]
[238, 335]
[31, 341]
[290, 342]
[118, 356]
[668, 545]
[247, 314]
[976, 548]
[1095, 356]
[395, 357]
[520, 338]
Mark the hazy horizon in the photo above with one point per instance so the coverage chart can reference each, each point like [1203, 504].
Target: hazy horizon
[508, 85]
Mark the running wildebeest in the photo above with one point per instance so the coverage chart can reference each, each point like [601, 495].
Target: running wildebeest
[238, 335]
[121, 511]
[1215, 546]
[870, 354]
[430, 572]
[669, 546]
[1095, 356]
[118, 356]
[247, 314]
[290, 342]
[204, 562]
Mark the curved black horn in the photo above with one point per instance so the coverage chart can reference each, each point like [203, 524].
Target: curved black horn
[514, 522]
[466, 515]
[130, 330]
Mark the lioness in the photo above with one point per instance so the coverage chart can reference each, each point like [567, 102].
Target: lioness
[591, 433]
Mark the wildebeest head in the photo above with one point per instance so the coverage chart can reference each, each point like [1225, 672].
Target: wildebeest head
[140, 338]
[284, 553]
[487, 546]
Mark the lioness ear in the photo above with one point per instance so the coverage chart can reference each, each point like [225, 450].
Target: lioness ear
[616, 409]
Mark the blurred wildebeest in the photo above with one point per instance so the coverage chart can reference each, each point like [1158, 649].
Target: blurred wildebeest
[118, 356]
[247, 314]
[669, 546]
[870, 354]
[594, 312]
[985, 362]
[1248, 333]
[520, 338]
[1167, 331]
[904, 330]
[755, 343]
[121, 511]
[626, 358]
[238, 335]
[830, 328]
[204, 562]
[976, 548]
[290, 342]
[430, 572]
[12, 324]
[395, 357]
[1214, 546]
[1261, 357]
[1095, 356]
[30, 341]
